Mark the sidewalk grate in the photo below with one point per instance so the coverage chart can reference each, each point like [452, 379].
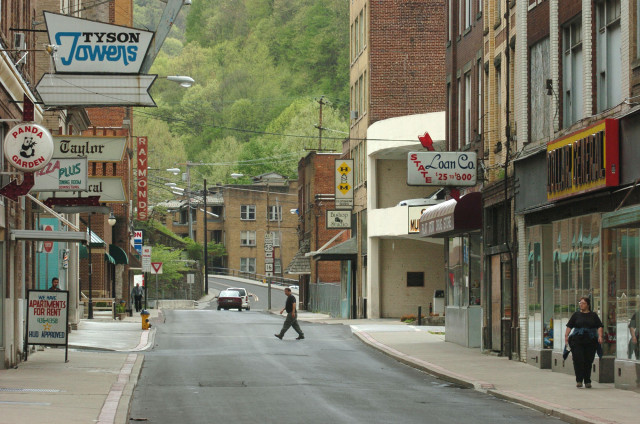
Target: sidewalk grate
[13, 389]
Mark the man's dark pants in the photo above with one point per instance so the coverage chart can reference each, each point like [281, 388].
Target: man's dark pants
[138, 300]
[290, 321]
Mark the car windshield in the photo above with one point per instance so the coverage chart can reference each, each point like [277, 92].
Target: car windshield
[229, 293]
[241, 292]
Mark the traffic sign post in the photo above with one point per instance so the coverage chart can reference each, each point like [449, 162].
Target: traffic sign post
[156, 268]
[268, 267]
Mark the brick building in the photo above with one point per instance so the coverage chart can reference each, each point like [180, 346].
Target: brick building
[245, 214]
[316, 196]
[397, 56]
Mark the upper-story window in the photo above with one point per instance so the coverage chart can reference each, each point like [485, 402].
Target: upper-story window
[275, 213]
[248, 265]
[247, 238]
[539, 100]
[609, 54]
[359, 33]
[248, 212]
[572, 73]
[450, 20]
[467, 13]
[467, 108]
[276, 236]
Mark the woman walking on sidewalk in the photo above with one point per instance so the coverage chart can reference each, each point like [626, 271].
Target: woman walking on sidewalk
[584, 340]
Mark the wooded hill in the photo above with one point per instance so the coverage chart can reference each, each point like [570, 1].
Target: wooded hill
[260, 67]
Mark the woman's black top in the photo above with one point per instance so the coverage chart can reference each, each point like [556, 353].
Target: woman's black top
[584, 320]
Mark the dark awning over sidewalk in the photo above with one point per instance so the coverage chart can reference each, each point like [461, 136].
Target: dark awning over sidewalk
[453, 217]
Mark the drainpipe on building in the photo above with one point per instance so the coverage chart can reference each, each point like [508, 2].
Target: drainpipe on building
[507, 216]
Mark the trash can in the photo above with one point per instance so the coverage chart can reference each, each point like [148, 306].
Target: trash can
[145, 319]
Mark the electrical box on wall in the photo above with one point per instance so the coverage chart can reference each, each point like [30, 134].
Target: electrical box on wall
[19, 41]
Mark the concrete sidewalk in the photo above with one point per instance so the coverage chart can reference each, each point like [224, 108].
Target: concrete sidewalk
[95, 385]
[105, 361]
[552, 393]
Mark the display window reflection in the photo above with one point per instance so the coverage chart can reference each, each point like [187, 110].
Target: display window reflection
[575, 265]
[621, 308]
[464, 270]
[540, 287]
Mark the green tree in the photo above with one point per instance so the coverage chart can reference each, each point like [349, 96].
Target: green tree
[172, 263]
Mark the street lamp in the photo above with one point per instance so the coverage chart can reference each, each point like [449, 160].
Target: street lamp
[175, 171]
[112, 219]
[183, 80]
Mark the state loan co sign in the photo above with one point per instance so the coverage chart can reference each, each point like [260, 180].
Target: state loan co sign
[28, 147]
[441, 168]
[584, 161]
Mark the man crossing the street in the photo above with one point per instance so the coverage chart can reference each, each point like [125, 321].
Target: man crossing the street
[292, 316]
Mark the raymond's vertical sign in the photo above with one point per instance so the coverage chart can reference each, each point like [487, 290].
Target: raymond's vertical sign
[141, 184]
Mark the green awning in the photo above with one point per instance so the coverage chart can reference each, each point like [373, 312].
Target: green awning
[118, 254]
[109, 258]
[625, 217]
[84, 254]
[96, 241]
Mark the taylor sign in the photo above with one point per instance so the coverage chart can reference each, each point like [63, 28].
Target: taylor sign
[441, 168]
[99, 149]
[61, 175]
[28, 147]
[86, 46]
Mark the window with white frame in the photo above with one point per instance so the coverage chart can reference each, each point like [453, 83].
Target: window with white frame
[277, 266]
[248, 265]
[499, 101]
[467, 13]
[275, 213]
[572, 73]
[480, 6]
[467, 108]
[276, 235]
[609, 54]
[247, 238]
[248, 212]
[539, 100]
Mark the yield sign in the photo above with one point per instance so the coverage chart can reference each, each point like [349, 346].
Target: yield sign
[156, 267]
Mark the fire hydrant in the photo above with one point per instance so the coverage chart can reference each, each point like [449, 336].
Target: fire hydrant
[145, 319]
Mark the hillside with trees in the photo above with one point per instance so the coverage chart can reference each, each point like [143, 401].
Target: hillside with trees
[260, 68]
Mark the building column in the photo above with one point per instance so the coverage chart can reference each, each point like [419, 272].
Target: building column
[373, 277]
[554, 39]
[587, 62]
[523, 300]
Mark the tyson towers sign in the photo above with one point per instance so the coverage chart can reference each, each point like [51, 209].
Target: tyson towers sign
[95, 47]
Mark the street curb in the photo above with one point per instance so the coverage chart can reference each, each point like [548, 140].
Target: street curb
[572, 416]
[124, 407]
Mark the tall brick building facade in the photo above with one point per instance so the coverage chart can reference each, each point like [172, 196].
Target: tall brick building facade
[397, 54]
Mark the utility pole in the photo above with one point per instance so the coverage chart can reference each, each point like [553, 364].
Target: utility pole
[206, 273]
[321, 102]
[190, 220]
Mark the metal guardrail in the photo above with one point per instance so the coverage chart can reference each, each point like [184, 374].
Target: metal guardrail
[280, 281]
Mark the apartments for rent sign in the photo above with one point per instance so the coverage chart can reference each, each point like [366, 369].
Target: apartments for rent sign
[141, 184]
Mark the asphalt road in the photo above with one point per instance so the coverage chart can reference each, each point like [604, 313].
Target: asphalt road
[211, 366]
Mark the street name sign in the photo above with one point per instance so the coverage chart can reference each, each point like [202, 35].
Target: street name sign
[85, 46]
[62, 175]
[97, 149]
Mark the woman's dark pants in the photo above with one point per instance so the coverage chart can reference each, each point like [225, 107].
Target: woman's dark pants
[583, 351]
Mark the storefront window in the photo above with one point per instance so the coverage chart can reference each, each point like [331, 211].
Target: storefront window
[540, 287]
[622, 305]
[575, 264]
[464, 270]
